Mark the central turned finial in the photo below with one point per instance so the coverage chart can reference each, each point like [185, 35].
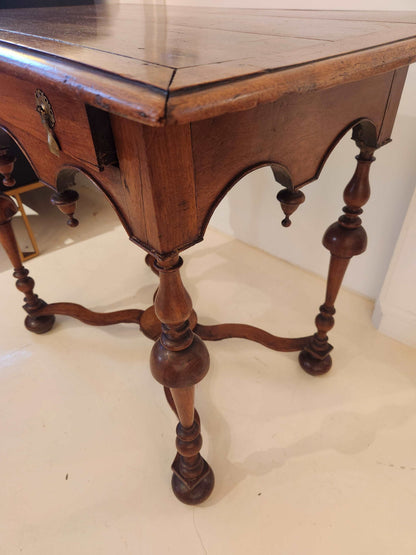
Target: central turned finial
[289, 201]
[7, 161]
[66, 202]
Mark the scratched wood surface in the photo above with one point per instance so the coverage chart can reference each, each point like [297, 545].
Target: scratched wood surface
[159, 64]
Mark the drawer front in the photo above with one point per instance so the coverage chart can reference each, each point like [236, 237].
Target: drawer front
[71, 129]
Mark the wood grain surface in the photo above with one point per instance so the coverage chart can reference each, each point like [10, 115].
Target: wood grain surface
[161, 65]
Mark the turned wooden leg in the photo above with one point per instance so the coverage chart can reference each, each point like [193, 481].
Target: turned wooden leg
[178, 361]
[344, 239]
[24, 283]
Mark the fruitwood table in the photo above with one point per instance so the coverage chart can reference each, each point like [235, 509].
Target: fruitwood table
[165, 109]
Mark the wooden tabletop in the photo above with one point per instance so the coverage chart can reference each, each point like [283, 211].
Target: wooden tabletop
[161, 65]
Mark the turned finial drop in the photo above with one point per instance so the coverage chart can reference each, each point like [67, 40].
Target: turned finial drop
[66, 202]
[289, 201]
[7, 166]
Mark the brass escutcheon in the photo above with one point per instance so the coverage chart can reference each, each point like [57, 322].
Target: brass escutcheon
[44, 108]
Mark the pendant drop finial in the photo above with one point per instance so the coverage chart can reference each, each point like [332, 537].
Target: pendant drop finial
[66, 202]
[289, 201]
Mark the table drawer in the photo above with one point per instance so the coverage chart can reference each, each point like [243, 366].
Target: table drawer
[71, 123]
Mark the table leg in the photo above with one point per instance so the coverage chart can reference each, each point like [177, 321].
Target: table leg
[344, 239]
[179, 360]
[24, 283]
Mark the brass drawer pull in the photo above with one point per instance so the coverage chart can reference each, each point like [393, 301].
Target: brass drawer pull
[43, 106]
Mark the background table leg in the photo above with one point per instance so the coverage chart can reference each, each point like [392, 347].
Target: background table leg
[24, 283]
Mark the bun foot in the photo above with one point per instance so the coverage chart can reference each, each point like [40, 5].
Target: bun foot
[39, 324]
[314, 366]
[199, 490]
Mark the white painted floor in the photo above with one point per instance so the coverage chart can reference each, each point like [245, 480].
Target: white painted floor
[303, 465]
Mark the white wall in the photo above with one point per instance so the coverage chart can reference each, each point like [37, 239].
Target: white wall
[395, 311]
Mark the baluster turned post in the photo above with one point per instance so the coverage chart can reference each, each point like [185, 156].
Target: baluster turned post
[24, 282]
[344, 239]
[178, 361]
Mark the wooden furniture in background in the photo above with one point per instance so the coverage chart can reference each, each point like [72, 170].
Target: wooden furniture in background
[15, 193]
[165, 109]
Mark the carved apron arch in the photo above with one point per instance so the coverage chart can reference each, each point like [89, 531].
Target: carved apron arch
[364, 131]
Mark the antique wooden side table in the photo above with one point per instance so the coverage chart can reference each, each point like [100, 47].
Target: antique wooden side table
[165, 109]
